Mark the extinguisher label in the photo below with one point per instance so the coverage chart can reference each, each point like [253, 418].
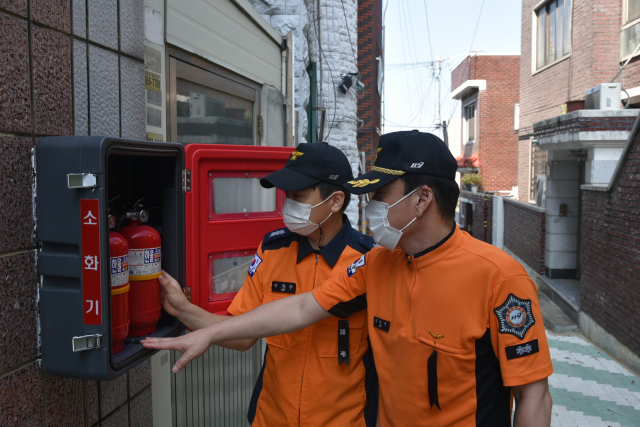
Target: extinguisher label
[143, 262]
[119, 270]
[91, 261]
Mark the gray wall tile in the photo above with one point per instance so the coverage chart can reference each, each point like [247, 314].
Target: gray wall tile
[103, 92]
[16, 204]
[112, 394]
[103, 22]
[139, 377]
[140, 412]
[51, 82]
[132, 98]
[53, 13]
[64, 401]
[21, 397]
[119, 418]
[15, 114]
[91, 401]
[80, 93]
[132, 27]
[18, 285]
[15, 6]
[80, 18]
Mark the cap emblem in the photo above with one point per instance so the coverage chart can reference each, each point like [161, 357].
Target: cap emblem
[333, 176]
[417, 165]
[387, 171]
[363, 182]
[295, 155]
[377, 152]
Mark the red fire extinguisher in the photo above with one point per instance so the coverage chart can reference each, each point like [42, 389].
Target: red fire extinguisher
[144, 270]
[119, 254]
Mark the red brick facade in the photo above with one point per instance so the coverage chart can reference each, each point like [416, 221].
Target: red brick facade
[369, 47]
[610, 259]
[524, 233]
[594, 59]
[497, 141]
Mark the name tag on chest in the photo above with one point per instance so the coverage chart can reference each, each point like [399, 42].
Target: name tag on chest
[283, 287]
[381, 324]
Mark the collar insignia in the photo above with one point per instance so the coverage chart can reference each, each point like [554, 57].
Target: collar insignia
[295, 155]
[515, 316]
[362, 182]
[435, 336]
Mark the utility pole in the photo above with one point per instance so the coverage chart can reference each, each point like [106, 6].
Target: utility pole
[437, 72]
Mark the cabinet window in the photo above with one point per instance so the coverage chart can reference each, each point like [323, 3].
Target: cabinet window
[553, 32]
[470, 122]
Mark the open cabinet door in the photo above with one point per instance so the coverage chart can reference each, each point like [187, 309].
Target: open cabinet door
[227, 215]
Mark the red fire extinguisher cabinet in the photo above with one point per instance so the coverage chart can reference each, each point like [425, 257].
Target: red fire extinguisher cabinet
[203, 199]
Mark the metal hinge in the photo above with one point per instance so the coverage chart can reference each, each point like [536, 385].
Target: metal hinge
[187, 292]
[86, 342]
[260, 124]
[186, 180]
[82, 180]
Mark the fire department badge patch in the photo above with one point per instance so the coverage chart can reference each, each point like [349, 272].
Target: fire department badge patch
[515, 316]
[356, 265]
[254, 265]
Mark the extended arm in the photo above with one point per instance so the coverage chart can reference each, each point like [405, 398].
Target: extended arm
[176, 304]
[275, 318]
[533, 404]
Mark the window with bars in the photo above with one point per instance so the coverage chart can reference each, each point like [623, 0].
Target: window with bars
[553, 32]
[539, 159]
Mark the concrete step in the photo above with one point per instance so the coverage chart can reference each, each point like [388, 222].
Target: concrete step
[564, 293]
[554, 318]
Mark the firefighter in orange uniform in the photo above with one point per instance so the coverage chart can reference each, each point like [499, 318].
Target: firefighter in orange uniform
[323, 375]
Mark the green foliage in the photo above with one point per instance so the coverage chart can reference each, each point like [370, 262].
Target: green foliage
[471, 179]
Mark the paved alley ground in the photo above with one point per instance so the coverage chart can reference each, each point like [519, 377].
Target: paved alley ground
[589, 388]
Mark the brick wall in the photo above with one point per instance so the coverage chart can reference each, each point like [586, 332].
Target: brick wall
[496, 139]
[594, 59]
[369, 107]
[610, 254]
[43, 91]
[524, 232]
[574, 123]
[482, 212]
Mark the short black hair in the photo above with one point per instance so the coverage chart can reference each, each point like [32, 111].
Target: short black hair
[327, 189]
[445, 191]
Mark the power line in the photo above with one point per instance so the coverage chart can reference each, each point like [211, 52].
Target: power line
[335, 95]
[426, 15]
[346, 23]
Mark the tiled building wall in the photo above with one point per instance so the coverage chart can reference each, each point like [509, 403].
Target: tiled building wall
[482, 215]
[56, 81]
[594, 59]
[525, 232]
[610, 280]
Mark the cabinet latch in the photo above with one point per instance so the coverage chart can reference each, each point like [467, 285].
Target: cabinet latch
[186, 180]
[82, 180]
[187, 292]
[87, 342]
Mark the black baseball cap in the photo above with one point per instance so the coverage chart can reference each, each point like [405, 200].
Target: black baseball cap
[308, 165]
[406, 152]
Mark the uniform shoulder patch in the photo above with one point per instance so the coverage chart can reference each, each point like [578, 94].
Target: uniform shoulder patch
[277, 239]
[361, 242]
[361, 262]
[254, 265]
[515, 316]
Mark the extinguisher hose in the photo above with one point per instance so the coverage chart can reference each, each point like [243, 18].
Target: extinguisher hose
[120, 223]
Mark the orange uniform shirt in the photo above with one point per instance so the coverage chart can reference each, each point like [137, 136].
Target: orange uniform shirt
[452, 329]
[302, 382]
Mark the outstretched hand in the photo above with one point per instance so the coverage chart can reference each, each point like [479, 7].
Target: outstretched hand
[192, 346]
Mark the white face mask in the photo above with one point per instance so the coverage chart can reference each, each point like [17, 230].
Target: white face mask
[383, 233]
[296, 216]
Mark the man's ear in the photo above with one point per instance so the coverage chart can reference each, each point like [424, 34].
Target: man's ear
[337, 200]
[426, 199]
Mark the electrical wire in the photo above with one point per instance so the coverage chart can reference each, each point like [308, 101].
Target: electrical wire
[426, 15]
[346, 23]
[335, 94]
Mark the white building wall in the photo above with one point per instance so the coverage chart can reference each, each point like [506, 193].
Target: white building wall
[339, 38]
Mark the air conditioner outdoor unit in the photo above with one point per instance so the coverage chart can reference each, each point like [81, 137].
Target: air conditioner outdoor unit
[605, 96]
